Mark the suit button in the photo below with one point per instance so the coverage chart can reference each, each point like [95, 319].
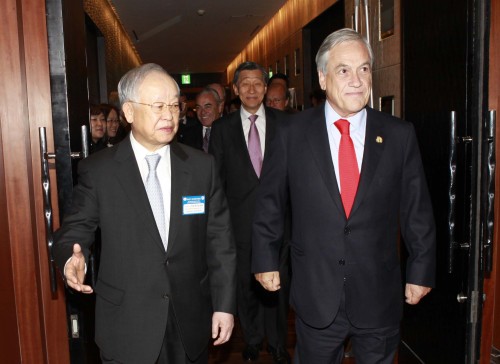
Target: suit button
[165, 296]
[347, 230]
[341, 262]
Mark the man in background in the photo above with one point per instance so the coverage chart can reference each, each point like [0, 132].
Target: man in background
[208, 109]
[240, 143]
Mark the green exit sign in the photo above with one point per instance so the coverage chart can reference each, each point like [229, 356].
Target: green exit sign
[186, 79]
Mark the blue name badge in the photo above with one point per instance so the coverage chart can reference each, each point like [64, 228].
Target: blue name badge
[193, 205]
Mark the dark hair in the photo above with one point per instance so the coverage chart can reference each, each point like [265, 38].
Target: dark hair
[106, 109]
[279, 76]
[249, 66]
[97, 109]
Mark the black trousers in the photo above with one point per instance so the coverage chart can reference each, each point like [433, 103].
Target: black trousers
[326, 346]
[172, 350]
[262, 314]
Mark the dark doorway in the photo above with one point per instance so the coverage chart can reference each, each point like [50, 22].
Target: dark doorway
[443, 71]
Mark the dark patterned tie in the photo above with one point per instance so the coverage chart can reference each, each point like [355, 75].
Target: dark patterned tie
[206, 140]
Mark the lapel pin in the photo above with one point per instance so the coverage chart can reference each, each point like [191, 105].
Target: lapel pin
[379, 140]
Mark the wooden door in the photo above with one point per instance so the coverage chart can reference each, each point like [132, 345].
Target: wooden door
[33, 322]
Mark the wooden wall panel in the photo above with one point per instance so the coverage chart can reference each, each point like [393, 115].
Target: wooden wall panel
[281, 36]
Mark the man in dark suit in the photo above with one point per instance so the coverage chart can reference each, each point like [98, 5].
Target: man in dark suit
[208, 108]
[185, 121]
[167, 276]
[354, 177]
[239, 142]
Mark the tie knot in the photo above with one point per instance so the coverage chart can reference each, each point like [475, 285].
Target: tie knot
[253, 118]
[153, 160]
[343, 126]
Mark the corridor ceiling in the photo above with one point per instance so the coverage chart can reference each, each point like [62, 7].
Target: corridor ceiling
[195, 36]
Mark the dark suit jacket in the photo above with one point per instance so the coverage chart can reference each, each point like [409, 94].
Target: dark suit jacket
[192, 136]
[190, 122]
[239, 180]
[137, 278]
[329, 251]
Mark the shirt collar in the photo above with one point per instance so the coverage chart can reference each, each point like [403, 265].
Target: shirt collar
[260, 112]
[356, 121]
[141, 152]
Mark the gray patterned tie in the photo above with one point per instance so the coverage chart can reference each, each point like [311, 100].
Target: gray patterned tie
[254, 145]
[153, 189]
[206, 140]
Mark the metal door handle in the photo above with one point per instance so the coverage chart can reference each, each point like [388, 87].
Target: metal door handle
[47, 203]
[461, 298]
[490, 191]
[452, 165]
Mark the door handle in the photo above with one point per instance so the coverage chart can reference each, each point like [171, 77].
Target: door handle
[490, 192]
[452, 165]
[47, 203]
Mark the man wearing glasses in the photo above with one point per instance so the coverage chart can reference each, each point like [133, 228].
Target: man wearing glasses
[168, 265]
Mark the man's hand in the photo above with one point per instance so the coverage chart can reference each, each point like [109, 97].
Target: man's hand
[74, 271]
[414, 293]
[269, 280]
[222, 327]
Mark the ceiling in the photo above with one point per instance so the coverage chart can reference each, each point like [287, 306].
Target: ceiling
[196, 36]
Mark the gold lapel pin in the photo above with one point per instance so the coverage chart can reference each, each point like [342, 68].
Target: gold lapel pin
[379, 140]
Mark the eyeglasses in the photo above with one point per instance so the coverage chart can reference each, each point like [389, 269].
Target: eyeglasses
[160, 107]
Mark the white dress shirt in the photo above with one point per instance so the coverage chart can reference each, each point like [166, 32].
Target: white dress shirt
[357, 131]
[163, 171]
[260, 123]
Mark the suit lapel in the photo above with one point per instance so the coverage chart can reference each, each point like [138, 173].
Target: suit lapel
[374, 146]
[317, 138]
[240, 144]
[270, 131]
[129, 177]
[180, 180]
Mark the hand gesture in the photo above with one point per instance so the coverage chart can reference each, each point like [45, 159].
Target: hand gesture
[74, 271]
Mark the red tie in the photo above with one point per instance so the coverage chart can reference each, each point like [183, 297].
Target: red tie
[348, 166]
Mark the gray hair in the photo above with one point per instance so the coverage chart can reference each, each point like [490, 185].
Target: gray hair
[334, 39]
[211, 91]
[223, 89]
[132, 80]
[249, 66]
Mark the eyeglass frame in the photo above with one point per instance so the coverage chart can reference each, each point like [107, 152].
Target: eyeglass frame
[164, 104]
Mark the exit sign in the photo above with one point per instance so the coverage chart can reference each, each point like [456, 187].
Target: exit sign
[186, 79]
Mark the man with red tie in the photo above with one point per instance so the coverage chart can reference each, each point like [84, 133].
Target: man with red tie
[354, 180]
